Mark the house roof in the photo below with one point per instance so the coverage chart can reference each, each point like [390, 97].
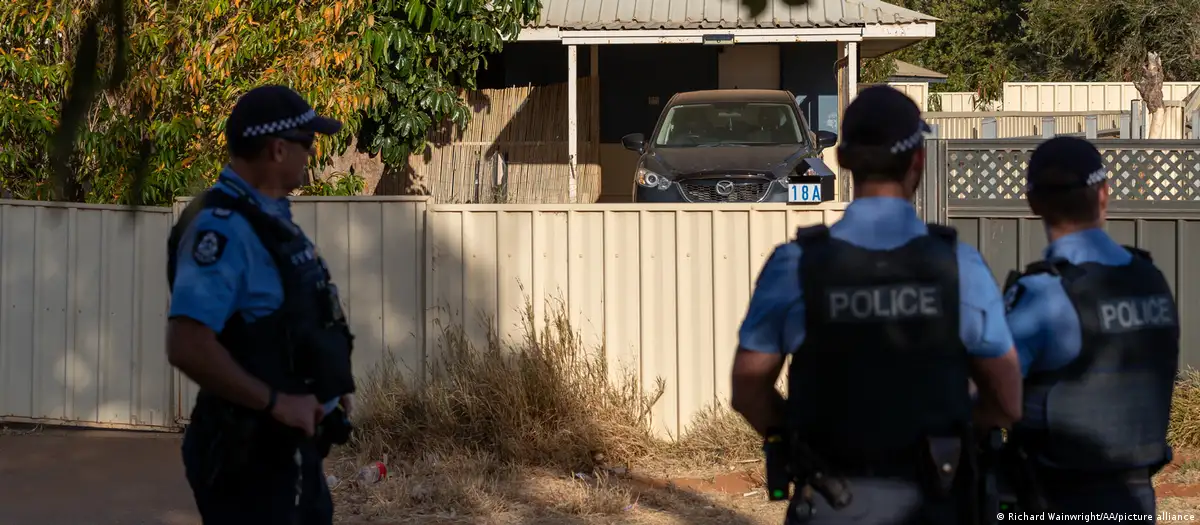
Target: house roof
[720, 14]
[904, 70]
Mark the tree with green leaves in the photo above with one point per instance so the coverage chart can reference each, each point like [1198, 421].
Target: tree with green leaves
[972, 46]
[394, 64]
[1109, 40]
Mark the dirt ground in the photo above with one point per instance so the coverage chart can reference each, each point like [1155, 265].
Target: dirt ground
[51, 477]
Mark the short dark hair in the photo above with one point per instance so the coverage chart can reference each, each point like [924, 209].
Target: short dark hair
[1065, 204]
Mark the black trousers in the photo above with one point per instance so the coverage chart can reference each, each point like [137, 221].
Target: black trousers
[1081, 493]
[282, 485]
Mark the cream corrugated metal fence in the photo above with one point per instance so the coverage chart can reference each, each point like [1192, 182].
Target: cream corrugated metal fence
[969, 125]
[83, 314]
[1083, 96]
[662, 288]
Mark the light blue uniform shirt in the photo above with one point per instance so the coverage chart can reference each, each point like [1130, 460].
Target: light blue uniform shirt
[775, 321]
[1043, 321]
[229, 271]
[241, 276]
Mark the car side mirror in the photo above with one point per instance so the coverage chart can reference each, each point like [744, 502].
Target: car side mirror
[634, 142]
[826, 139]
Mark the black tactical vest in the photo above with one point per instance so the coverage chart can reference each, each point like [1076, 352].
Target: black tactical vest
[305, 345]
[882, 366]
[1109, 408]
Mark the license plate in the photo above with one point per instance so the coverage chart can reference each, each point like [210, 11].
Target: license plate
[804, 193]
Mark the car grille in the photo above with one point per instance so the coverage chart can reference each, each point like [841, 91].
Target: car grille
[705, 190]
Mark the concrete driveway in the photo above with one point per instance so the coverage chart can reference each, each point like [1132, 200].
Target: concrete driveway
[85, 477]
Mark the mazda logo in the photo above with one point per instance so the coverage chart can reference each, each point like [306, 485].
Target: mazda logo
[724, 188]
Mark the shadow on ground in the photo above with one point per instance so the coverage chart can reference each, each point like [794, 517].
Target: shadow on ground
[91, 477]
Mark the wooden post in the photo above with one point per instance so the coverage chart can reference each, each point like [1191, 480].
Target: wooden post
[1091, 126]
[572, 122]
[1137, 122]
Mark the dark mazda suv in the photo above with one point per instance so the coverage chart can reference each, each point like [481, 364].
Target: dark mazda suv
[725, 146]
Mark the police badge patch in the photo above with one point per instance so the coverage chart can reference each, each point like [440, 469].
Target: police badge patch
[209, 247]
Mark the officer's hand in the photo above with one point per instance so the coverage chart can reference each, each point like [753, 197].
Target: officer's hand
[302, 412]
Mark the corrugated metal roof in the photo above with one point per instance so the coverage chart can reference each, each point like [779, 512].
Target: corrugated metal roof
[905, 69]
[719, 14]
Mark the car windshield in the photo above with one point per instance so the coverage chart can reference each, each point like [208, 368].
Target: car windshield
[729, 124]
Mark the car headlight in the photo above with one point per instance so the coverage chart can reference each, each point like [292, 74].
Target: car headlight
[649, 179]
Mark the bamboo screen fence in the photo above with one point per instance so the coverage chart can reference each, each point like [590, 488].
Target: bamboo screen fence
[514, 150]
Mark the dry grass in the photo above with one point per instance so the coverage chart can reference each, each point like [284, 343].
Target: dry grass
[542, 431]
[1185, 411]
[541, 428]
[1187, 509]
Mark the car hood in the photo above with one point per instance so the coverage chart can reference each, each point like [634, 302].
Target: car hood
[706, 161]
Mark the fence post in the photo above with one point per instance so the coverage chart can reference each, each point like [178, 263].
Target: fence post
[1125, 124]
[1135, 122]
[1091, 126]
[1048, 127]
[1196, 125]
[989, 128]
[934, 131]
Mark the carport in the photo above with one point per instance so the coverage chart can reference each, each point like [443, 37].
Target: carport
[812, 49]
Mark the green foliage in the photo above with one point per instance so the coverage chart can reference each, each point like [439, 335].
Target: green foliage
[972, 47]
[981, 44]
[1107, 40]
[395, 64]
[339, 185]
[427, 51]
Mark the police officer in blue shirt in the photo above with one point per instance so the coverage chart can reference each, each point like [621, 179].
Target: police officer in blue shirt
[257, 324]
[887, 320]
[1097, 332]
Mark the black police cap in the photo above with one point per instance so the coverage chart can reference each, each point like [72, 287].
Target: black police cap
[882, 121]
[1063, 163]
[272, 110]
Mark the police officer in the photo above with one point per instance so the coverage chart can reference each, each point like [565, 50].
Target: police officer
[256, 322]
[1097, 332]
[886, 319]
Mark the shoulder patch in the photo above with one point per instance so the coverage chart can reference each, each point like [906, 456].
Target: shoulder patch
[209, 247]
[222, 213]
[1012, 296]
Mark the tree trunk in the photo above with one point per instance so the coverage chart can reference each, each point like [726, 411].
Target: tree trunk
[1150, 86]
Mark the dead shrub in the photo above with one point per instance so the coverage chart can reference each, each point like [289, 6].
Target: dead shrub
[544, 401]
[1184, 431]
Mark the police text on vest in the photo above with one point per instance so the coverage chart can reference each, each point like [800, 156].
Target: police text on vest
[1137, 313]
[884, 303]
